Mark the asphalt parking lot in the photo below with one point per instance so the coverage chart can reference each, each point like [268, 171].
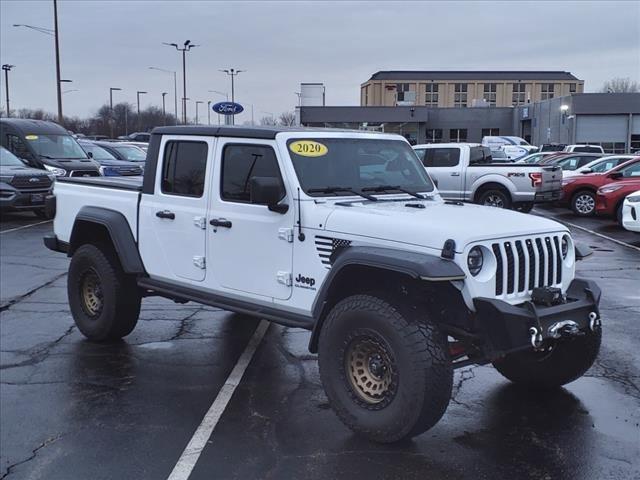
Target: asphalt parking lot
[71, 409]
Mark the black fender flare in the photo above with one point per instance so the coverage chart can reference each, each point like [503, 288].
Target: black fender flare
[419, 266]
[119, 231]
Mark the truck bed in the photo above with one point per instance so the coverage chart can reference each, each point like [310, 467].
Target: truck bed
[121, 183]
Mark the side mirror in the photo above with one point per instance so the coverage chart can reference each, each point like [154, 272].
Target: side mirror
[615, 175]
[90, 154]
[586, 170]
[267, 191]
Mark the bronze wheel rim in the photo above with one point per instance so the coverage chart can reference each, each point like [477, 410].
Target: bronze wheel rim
[91, 293]
[370, 370]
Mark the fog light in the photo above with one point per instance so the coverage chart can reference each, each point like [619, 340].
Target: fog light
[475, 261]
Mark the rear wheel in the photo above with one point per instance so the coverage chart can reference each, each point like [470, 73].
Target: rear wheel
[583, 203]
[104, 301]
[385, 370]
[495, 198]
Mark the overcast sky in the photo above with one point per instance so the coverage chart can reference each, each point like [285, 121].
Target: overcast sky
[280, 44]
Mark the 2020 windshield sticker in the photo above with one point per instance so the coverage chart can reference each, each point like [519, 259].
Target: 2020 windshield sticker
[308, 148]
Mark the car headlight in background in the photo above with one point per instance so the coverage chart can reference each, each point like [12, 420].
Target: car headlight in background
[475, 260]
[564, 247]
[633, 198]
[609, 188]
[58, 172]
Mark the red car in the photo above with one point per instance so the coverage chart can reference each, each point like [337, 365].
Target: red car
[609, 198]
[579, 193]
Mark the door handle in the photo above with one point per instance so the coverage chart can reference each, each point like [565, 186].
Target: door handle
[166, 214]
[455, 174]
[220, 222]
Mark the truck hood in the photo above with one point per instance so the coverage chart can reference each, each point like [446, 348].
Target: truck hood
[20, 170]
[431, 226]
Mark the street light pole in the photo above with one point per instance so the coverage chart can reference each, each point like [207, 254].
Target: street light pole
[6, 67]
[186, 47]
[209, 112]
[232, 73]
[111, 90]
[226, 96]
[164, 115]
[56, 36]
[138, 96]
[198, 102]
[175, 90]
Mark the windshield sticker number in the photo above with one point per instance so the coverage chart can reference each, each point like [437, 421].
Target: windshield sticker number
[31, 137]
[308, 148]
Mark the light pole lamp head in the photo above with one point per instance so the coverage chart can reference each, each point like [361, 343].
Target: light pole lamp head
[6, 67]
[141, 93]
[564, 108]
[164, 93]
[65, 81]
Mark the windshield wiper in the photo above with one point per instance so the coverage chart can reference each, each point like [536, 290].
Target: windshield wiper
[342, 189]
[385, 188]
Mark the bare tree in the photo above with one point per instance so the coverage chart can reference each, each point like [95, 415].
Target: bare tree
[268, 121]
[288, 119]
[621, 85]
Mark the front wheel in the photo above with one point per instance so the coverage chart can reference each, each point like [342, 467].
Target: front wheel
[104, 301]
[583, 203]
[385, 370]
[559, 363]
[495, 198]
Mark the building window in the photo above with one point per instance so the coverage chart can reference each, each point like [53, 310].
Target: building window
[611, 147]
[490, 93]
[183, 168]
[460, 95]
[242, 162]
[490, 132]
[434, 135]
[458, 135]
[573, 87]
[401, 89]
[518, 96]
[547, 91]
[635, 143]
[366, 95]
[431, 95]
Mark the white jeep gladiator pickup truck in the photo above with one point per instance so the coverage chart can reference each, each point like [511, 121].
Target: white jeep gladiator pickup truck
[464, 171]
[341, 233]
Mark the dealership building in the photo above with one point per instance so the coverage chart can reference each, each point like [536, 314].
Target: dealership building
[556, 113]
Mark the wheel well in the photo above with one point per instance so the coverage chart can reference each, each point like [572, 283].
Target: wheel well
[490, 186]
[582, 190]
[88, 232]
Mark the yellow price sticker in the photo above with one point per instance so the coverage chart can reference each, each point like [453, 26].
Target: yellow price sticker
[308, 148]
[31, 137]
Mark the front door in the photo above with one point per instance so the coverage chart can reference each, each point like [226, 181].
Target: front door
[251, 246]
[173, 224]
[443, 165]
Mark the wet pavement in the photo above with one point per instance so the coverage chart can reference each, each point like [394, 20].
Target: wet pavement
[70, 409]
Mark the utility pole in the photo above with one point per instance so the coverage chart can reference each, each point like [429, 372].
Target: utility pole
[138, 96]
[164, 115]
[232, 73]
[111, 119]
[185, 48]
[6, 67]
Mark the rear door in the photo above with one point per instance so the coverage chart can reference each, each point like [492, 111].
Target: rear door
[173, 225]
[443, 165]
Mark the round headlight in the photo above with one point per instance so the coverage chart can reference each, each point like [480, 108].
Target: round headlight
[475, 261]
[564, 247]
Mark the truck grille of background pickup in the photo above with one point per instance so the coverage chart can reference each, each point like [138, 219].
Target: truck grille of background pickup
[522, 265]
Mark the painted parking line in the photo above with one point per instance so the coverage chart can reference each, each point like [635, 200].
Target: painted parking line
[193, 450]
[619, 242]
[24, 226]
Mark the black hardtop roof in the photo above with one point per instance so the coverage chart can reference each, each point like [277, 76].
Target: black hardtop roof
[239, 131]
[28, 126]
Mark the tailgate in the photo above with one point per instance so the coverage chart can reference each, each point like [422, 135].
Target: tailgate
[551, 178]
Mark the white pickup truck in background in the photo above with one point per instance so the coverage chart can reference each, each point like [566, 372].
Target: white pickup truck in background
[465, 171]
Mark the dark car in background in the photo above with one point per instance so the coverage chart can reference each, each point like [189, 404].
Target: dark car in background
[570, 161]
[122, 151]
[46, 146]
[110, 166]
[22, 187]
[137, 137]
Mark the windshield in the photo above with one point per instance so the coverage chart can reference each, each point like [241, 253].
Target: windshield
[98, 153]
[356, 163]
[8, 159]
[56, 146]
[133, 154]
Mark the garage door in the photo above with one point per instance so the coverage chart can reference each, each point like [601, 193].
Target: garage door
[601, 128]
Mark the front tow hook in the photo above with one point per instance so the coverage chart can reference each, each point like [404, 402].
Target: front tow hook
[565, 328]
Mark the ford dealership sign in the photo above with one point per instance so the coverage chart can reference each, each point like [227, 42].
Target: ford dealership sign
[227, 108]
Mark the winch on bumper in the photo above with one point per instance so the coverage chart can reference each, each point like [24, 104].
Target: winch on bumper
[510, 328]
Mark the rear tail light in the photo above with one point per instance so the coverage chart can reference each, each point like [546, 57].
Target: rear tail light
[536, 179]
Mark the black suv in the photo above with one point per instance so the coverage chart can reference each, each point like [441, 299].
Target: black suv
[47, 146]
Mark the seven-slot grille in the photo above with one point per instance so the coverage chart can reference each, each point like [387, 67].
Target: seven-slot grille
[522, 265]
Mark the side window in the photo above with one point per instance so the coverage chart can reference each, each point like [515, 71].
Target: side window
[240, 163]
[442, 157]
[421, 154]
[18, 148]
[631, 170]
[183, 168]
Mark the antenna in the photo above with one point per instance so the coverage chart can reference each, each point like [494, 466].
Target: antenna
[301, 236]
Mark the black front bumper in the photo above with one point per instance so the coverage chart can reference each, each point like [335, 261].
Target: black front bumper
[508, 328]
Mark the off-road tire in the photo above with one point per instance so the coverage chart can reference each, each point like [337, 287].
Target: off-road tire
[120, 305]
[567, 361]
[423, 375]
[495, 197]
[579, 206]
